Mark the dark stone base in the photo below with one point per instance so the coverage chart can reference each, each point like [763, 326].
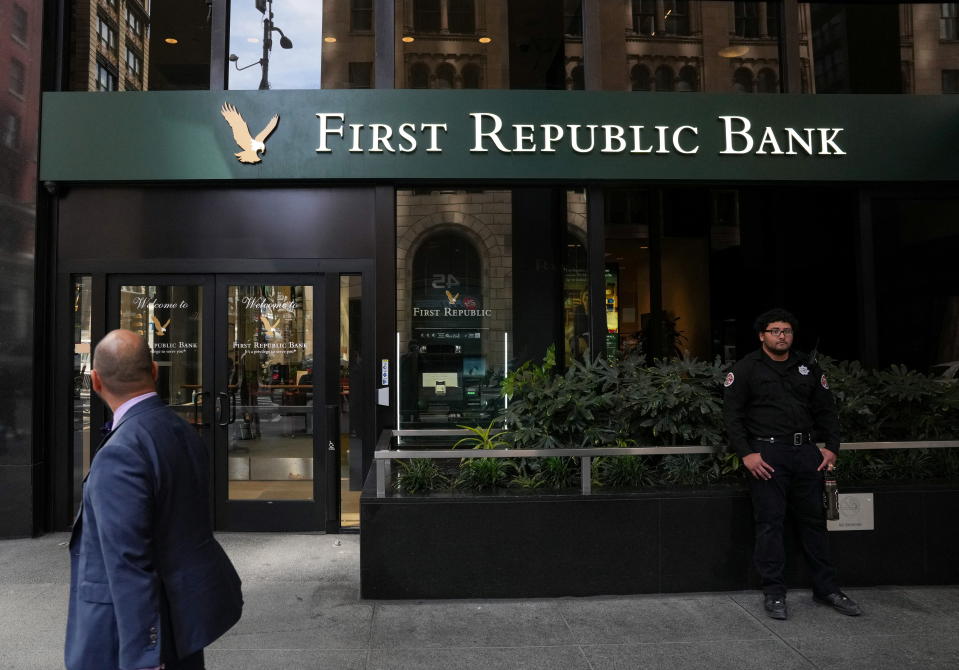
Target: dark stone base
[522, 545]
[18, 484]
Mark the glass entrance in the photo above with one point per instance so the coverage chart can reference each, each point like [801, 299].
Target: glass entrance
[250, 362]
[270, 419]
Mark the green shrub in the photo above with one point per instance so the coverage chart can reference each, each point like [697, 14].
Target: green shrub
[420, 475]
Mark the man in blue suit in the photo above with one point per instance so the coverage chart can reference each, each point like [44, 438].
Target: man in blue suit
[150, 587]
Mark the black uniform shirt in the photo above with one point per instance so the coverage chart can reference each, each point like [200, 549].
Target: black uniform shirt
[768, 399]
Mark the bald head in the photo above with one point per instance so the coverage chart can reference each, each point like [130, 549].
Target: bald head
[123, 364]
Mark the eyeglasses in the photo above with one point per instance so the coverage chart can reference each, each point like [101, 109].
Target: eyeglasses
[776, 332]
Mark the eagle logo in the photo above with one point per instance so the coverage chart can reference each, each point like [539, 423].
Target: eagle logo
[270, 328]
[452, 298]
[160, 327]
[251, 146]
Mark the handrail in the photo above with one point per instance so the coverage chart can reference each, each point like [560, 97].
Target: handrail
[384, 455]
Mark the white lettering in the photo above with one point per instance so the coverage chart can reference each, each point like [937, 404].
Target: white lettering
[678, 146]
[326, 130]
[355, 129]
[611, 133]
[434, 146]
[744, 133]
[551, 133]
[637, 148]
[525, 143]
[574, 138]
[662, 139]
[381, 135]
[828, 141]
[769, 137]
[478, 133]
[404, 132]
[793, 136]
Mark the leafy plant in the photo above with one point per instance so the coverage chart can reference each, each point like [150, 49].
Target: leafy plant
[625, 472]
[484, 473]
[558, 473]
[420, 475]
[483, 438]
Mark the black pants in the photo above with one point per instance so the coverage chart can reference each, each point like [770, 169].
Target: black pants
[798, 487]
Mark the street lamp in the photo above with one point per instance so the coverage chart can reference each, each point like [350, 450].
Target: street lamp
[265, 7]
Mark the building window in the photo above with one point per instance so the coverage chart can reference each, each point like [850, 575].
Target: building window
[106, 79]
[766, 81]
[676, 16]
[664, 78]
[743, 81]
[19, 29]
[445, 75]
[573, 17]
[772, 19]
[112, 4]
[472, 77]
[426, 16]
[10, 132]
[18, 77]
[361, 16]
[688, 79]
[747, 19]
[420, 76]
[644, 17]
[461, 16]
[950, 81]
[134, 63]
[577, 79]
[949, 21]
[640, 78]
[134, 22]
[106, 35]
[361, 75]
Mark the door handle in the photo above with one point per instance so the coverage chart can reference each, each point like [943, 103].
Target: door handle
[197, 397]
[222, 411]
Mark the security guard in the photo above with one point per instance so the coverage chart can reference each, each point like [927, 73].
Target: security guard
[777, 402]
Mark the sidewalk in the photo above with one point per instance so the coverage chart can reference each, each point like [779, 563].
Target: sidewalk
[303, 612]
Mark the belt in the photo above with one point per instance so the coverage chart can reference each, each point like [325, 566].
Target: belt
[795, 439]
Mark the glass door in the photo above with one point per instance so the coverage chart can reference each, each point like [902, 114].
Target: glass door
[250, 362]
[271, 423]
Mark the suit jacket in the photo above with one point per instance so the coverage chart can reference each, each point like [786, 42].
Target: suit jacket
[142, 554]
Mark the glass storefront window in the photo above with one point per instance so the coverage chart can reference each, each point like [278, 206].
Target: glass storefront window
[282, 45]
[879, 47]
[133, 45]
[82, 354]
[489, 44]
[351, 394]
[678, 46]
[486, 280]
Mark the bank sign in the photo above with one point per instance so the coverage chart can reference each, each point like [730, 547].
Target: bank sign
[496, 136]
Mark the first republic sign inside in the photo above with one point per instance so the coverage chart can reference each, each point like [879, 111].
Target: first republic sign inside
[401, 135]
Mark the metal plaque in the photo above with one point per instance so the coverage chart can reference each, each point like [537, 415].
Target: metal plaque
[855, 512]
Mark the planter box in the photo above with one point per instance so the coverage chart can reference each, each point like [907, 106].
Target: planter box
[519, 544]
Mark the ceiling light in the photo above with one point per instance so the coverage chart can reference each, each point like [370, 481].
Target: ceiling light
[408, 39]
[329, 40]
[171, 40]
[734, 51]
[485, 40]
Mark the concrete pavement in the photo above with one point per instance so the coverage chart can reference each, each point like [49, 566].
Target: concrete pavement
[303, 611]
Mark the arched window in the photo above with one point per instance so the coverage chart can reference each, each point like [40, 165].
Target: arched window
[688, 79]
[640, 78]
[766, 81]
[664, 78]
[578, 82]
[445, 74]
[743, 81]
[420, 76]
[472, 77]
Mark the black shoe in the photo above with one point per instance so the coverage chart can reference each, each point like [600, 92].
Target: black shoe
[840, 602]
[775, 606]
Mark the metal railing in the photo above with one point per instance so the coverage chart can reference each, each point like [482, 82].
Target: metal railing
[385, 455]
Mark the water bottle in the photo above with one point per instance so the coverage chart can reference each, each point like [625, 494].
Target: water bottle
[830, 496]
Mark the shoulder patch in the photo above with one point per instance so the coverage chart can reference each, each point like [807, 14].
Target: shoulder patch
[823, 382]
[730, 378]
